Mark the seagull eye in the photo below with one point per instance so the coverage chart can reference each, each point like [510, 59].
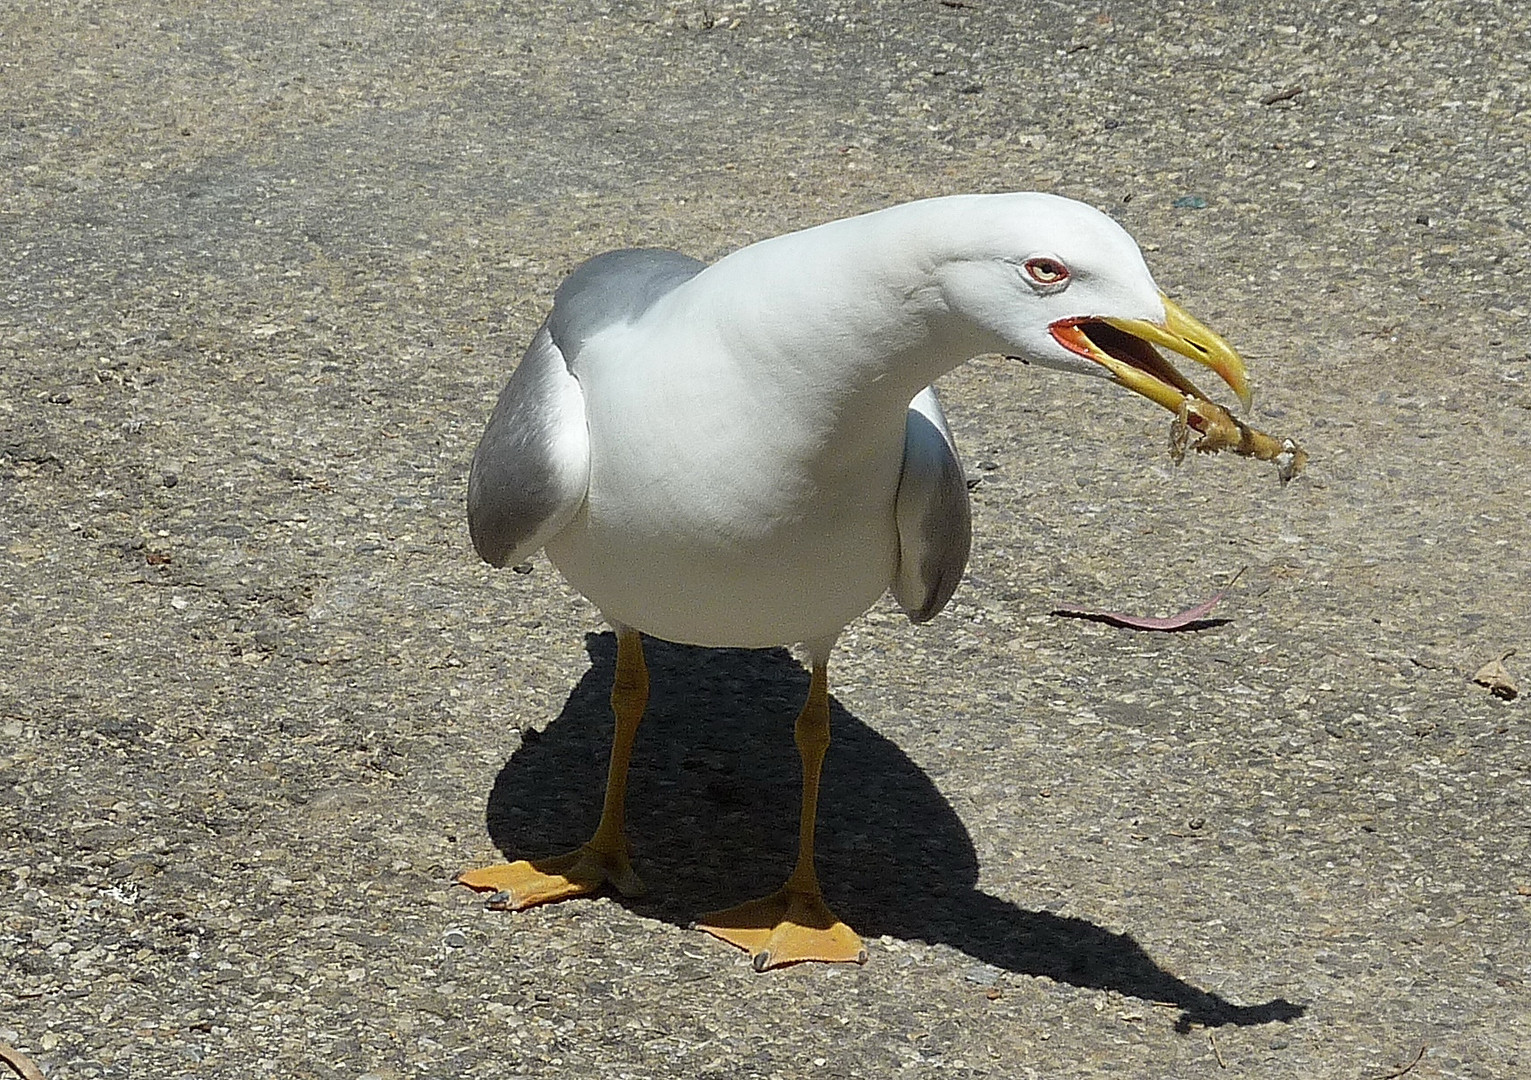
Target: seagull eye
[1046, 271]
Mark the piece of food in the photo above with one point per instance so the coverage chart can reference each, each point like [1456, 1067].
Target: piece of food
[1217, 429]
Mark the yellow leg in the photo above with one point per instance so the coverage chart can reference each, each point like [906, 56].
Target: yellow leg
[794, 924]
[604, 857]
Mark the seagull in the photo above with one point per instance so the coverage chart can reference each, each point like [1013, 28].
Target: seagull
[750, 453]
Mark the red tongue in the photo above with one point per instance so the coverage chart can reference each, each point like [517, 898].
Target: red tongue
[1079, 335]
[1140, 354]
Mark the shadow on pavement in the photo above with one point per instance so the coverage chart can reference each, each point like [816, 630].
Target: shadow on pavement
[712, 818]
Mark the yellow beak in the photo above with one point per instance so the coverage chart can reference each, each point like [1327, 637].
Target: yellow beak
[1125, 348]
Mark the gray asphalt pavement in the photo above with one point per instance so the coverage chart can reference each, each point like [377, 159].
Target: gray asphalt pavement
[265, 268]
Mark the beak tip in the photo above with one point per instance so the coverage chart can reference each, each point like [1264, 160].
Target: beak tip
[1232, 372]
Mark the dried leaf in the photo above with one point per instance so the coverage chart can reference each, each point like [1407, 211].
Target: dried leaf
[1496, 677]
[1189, 619]
[19, 1062]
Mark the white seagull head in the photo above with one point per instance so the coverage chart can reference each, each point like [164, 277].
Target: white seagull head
[1056, 283]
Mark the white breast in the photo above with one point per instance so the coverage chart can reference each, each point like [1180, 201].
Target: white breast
[720, 512]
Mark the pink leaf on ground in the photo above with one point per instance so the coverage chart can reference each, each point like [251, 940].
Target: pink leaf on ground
[19, 1062]
[1189, 619]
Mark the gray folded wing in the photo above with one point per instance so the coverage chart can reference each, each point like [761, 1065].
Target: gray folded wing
[935, 525]
[532, 467]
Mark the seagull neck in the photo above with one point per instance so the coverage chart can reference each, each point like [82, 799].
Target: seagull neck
[851, 312]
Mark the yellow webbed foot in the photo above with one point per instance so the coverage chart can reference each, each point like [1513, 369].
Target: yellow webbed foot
[542, 881]
[787, 927]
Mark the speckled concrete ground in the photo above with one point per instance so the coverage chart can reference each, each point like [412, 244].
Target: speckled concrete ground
[266, 266]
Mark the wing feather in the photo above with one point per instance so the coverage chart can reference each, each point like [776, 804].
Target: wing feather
[935, 526]
[532, 467]
[531, 471]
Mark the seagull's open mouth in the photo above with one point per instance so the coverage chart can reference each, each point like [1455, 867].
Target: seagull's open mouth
[1125, 348]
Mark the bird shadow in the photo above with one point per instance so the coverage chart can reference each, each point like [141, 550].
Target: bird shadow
[712, 813]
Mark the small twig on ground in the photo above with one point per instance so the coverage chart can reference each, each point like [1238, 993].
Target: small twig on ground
[20, 1062]
[1282, 95]
[1213, 1043]
[1406, 1068]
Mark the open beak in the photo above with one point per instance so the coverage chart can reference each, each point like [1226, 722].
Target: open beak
[1125, 348]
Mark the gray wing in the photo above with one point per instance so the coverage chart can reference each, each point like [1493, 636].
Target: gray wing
[935, 525]
[613, 288]
[532, 467]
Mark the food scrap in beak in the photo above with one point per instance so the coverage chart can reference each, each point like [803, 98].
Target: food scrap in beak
[1126, 349]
